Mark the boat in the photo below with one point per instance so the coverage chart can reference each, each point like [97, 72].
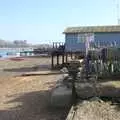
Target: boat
[16, 58]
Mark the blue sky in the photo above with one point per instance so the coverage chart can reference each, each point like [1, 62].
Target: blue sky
[43, 21]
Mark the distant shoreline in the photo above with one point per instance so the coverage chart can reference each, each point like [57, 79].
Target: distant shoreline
[6, 52]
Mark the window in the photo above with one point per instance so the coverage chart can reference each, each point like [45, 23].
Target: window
[87, 36]
[81, 38]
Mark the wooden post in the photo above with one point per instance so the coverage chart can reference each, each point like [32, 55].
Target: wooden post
[52, 61]
[63, 58]
[56, 45]
[71, 55]
[53, 45]
[57, 59]
[66, 57]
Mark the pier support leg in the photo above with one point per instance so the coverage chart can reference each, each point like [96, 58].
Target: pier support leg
[62, 58]
[52, 62]
[57, 59]
[71, 55]
[66, 57]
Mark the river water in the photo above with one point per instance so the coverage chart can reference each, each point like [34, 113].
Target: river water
[7, 53]
[11, 52]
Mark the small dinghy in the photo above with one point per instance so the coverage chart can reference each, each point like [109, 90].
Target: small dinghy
[16, 58]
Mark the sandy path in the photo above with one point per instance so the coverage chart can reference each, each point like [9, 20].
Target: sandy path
[27, 98]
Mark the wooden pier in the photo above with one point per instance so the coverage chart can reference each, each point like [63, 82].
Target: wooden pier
[58, 51]
[60, 57]
[60, 54]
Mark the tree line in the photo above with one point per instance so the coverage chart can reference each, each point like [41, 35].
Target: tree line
[13, 44]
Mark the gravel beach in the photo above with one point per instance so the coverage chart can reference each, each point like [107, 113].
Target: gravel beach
[27, 98]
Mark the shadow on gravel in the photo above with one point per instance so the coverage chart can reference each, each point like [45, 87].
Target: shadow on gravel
[29, 69]
[33, 106]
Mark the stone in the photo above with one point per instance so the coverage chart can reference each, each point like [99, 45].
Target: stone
[85, 90]
[61, 97]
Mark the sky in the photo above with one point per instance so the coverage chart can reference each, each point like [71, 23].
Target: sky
[43, 21]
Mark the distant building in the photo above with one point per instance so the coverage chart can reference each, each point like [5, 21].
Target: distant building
[100, 36]
[21, 43]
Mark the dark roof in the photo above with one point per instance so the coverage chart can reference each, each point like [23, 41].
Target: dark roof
[92, 29]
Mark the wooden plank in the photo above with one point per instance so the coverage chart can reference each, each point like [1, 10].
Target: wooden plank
[71, 114]
[41, 73]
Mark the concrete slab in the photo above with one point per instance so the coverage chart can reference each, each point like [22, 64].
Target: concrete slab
[61, 96]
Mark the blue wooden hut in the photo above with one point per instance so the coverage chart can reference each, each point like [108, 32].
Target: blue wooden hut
[100, 36]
